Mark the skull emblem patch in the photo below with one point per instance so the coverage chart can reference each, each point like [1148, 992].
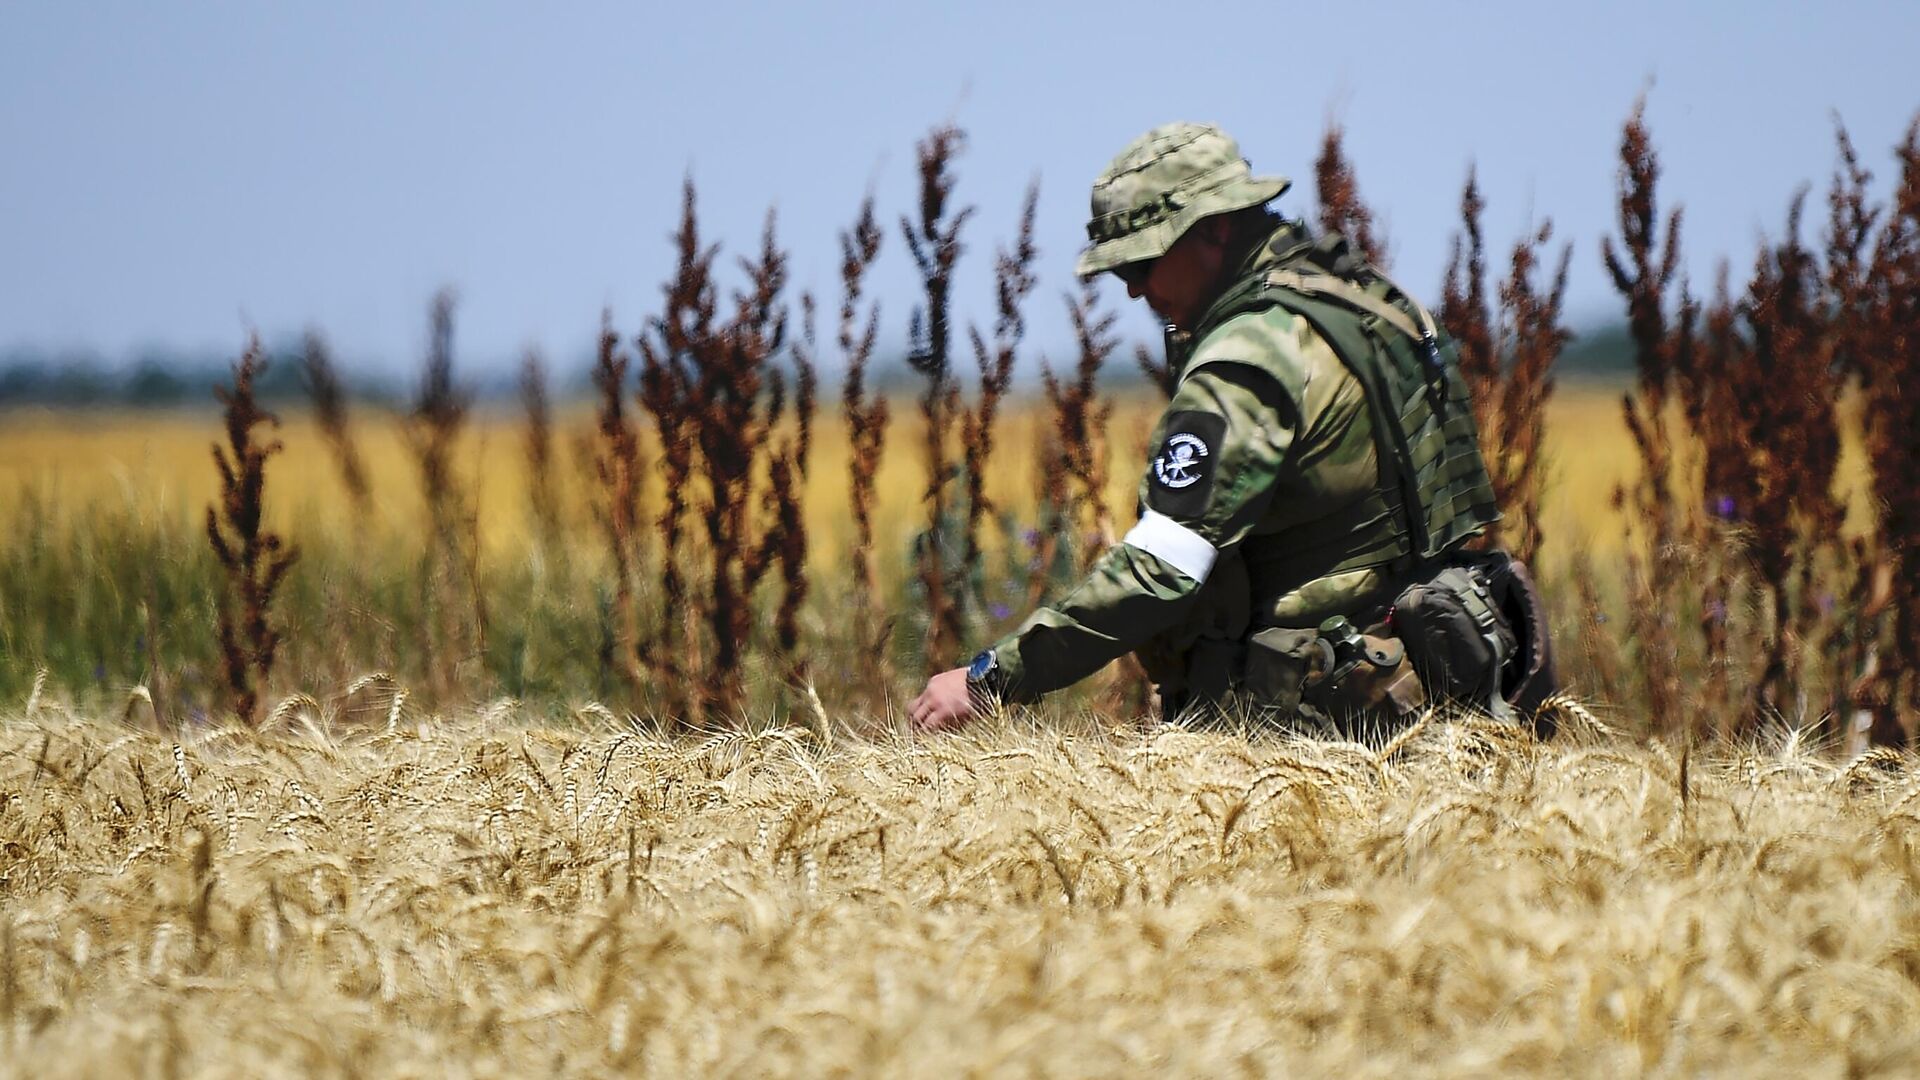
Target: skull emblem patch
[1181, 461]
[1180, 476]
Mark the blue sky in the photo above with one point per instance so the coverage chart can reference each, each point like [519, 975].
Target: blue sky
[178, 173]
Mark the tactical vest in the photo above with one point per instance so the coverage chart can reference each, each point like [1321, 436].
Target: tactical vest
[1433, 492]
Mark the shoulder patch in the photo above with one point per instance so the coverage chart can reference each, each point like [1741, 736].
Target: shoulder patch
[1181, 480]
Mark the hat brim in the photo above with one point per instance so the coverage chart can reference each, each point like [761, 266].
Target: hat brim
[1154, 240]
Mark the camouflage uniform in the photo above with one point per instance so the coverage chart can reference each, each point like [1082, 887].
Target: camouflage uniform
[1265, 507]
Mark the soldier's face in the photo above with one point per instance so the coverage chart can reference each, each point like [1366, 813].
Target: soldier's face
[1179, 285]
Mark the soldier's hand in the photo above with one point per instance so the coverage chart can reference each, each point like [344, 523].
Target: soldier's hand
[945, 704]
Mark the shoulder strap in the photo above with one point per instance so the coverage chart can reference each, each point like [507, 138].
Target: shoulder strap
[1419, 326]
[1314, 283]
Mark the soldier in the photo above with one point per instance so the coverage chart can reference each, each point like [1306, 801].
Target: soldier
[1300, 552]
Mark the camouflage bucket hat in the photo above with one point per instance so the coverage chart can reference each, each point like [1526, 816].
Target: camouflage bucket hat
[1161, 184]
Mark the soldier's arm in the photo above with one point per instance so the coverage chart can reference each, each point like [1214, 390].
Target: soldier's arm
[1220, 443]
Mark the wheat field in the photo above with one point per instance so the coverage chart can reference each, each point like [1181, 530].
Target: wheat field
[370, 886]
[495, 894]
[158, 462]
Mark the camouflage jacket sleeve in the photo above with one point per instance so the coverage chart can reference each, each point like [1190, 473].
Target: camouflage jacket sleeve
[1219, 445]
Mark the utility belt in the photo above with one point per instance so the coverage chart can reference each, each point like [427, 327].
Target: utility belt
[1469, 632]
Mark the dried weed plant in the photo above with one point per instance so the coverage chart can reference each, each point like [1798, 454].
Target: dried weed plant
[1341, 209]
[328, 394]
[1783, 397]
[543, 492]
[1076, 466]
[717, 399]
[933, 239]
[1467, 312]
[1080, 419]
[1891, 373]
[736, 419]
[253, 559]
[865, 415]
[329, 397]
[618, 476]
[454, 623]
[1013, 280]
[1755, 549]
[666, 393]
[1643, 269]
[788, 453]
[1858, 688]
[1510, 375]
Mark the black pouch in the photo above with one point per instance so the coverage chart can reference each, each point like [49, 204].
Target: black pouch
[1476, 631]
[1456, 638]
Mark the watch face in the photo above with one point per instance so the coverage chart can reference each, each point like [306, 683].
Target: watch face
[982, 664]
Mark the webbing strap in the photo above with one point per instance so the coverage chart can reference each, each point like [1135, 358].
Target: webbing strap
[1429, 330]
[1353, 295]
[1424, 332]
[1476, 599]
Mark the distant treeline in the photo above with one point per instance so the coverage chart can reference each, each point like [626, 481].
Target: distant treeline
[32, 377]
[49, 378]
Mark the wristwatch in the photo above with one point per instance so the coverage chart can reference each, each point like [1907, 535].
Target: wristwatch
[984, 673]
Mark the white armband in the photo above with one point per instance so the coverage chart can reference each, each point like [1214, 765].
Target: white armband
[1173, 543]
